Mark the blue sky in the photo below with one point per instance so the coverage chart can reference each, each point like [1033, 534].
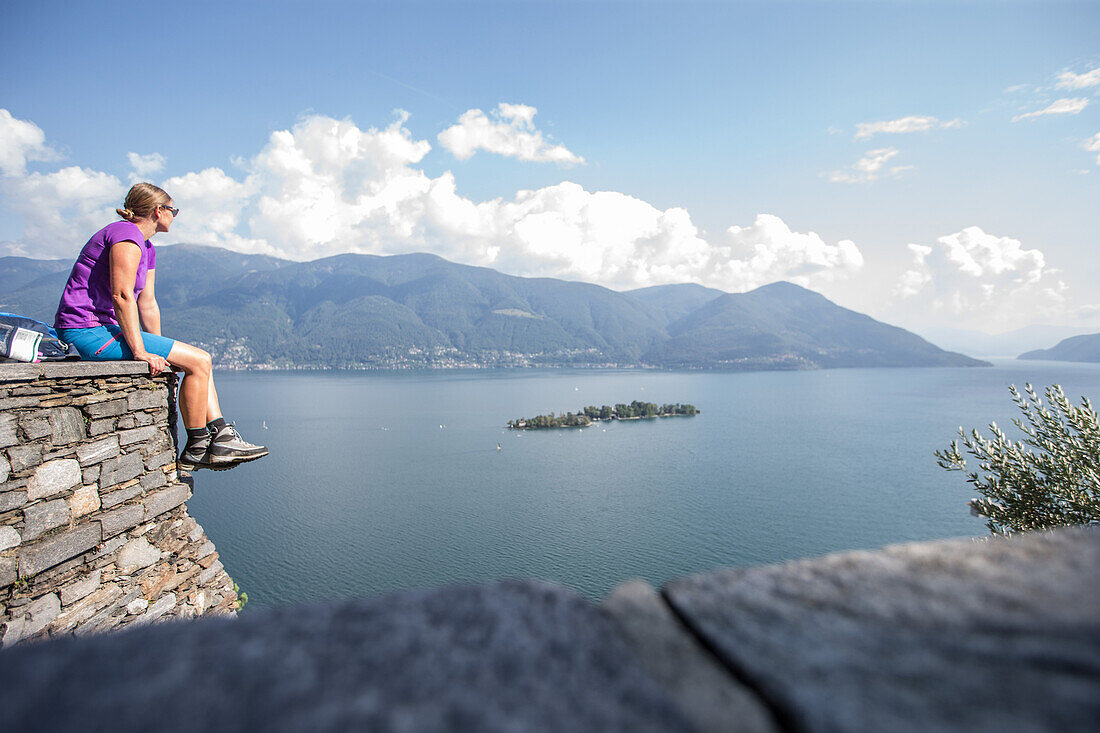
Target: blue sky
[720, 141]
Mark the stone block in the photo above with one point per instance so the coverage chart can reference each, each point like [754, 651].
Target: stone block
[101, 427]
[82, 588]
[210, 573]
[110, 408]
[138, 435]
[137, 554]
[40, 613]
[119, 469]
[23, 457]
[8, 424]
[12, 500]
[207, 548]
[124, 493]
[121, 520]
[97, 451]
[160, 459]
[703, 688]
[9, 538]
[147, 399]
[80, 612]
[90, 475]
[8, 568]
[166, 500]
[13, 631]
[136, 606]
[110, 546]
[43, 516]
[955, 635]
[53, 477]
[66, 426]
[163, 605]
[44, 554]
[11, 403]
[85, 501]
[195, 534]
[502, 657]
[153, 480]
[126, 422]
[5, 469]
[163, 579]
[35, 427]
[143, 418]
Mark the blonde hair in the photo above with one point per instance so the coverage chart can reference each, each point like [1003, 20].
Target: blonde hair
[142, 201]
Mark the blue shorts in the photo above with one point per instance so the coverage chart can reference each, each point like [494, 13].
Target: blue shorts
[106, 343]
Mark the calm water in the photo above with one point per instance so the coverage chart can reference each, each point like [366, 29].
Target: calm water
[380, 482]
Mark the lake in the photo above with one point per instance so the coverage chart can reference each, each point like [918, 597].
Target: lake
[379, 481]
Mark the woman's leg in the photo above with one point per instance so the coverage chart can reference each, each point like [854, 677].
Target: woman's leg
[198, 400]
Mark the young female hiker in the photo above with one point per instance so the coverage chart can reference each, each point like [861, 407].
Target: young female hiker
[109, 311]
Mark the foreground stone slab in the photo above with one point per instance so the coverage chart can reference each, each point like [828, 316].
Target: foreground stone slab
[703, 689]
[997, 634]
[515, 656]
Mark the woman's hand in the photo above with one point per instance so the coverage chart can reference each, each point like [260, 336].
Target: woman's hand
[156, 362]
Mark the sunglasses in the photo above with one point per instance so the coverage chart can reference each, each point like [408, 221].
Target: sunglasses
[175, 212]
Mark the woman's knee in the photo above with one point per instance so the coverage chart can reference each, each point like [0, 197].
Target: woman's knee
[191, 359]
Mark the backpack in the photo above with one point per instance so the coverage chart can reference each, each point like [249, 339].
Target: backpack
[25, 339]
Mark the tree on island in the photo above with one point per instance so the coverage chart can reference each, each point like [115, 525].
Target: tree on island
[591, 413]
[1051, 478]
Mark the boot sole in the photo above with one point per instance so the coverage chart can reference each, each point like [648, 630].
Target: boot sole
[223, 466]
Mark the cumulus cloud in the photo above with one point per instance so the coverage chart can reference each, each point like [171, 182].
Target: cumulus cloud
[866, 130]
[1069, 80]
[60, 210]
[973, 275]
[1066, 106]
[1093, 145]
[870, 167]
[510, 132]
[145, 166]
[326, 187]
[21, 141]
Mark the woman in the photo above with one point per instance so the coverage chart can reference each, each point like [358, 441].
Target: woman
[109, 311]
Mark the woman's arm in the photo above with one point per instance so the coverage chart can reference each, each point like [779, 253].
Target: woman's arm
[125, 257]
[147, 305]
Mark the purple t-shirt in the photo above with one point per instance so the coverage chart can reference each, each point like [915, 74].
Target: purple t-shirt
[86, 301]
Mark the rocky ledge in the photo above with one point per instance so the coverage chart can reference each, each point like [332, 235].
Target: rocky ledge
[995, 634]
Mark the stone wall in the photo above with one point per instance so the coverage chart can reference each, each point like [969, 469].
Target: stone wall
[94, 529]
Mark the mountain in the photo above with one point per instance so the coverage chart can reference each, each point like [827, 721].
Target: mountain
[676, 301]
[784, 326]
[1006, 344]
[1075, 348]
[421, 310]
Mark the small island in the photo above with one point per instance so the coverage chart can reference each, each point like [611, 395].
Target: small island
[634, 411]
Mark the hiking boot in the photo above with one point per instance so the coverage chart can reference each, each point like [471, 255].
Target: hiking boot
[228, 449]
[194, 454]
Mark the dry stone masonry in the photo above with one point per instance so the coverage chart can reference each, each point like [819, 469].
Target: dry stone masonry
[94, 529]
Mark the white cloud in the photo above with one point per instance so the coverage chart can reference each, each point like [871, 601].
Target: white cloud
[1065, 106]
[1093, 145]
[974, 276]
[145, 166]
[326, 187]
[60, 210]
[866, 130]
[777, 253]
[870, 167]
[21, 141]
[1069, 80]
[511, 132]
[211, 204]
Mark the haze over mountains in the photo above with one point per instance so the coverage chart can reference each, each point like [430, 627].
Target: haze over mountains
[421, 310]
